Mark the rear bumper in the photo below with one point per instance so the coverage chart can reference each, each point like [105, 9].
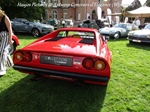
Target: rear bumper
[62, 74]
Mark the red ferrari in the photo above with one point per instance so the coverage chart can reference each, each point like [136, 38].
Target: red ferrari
[73, 54]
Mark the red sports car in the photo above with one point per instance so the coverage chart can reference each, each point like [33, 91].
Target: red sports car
[73, 54]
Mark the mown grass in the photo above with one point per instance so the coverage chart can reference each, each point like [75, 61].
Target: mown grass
[127, 91]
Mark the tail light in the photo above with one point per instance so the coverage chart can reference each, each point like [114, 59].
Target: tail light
[100, 65]
[88, 63]
[27, 56]
[19, 56]
[23, 56]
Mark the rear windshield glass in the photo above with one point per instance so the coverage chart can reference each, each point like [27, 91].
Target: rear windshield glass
[76, 34]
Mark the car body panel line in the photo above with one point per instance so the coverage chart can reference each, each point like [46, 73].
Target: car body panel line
[62, 74]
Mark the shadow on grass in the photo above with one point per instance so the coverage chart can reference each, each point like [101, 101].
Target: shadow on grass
[49, 95]
[144, 46]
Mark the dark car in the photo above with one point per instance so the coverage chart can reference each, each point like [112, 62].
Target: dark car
[96, 24]
[53, 22]
[37, 29]
[140, 35]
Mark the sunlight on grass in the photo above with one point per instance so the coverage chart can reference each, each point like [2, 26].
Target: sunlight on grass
[127, 91]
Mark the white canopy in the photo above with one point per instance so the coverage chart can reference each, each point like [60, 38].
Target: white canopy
[143, 11]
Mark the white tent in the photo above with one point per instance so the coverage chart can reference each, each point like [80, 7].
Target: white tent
[141, 12]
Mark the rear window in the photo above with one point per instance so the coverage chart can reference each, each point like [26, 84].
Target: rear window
[76, 34]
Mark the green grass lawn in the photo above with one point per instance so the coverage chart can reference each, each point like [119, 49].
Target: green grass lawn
[127, 91]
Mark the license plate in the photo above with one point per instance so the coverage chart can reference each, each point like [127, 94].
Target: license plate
[136, 40]
[56, 60]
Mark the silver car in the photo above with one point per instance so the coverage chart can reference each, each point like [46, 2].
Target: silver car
[117, 31]
[140, 36]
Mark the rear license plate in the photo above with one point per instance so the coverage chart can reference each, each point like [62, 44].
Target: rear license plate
[56, 60]
[136, 40]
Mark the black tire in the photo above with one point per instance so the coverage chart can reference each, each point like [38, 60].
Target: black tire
[12, 48]
[117, 35]
[1, 76]
[35, 32]
[130, 41]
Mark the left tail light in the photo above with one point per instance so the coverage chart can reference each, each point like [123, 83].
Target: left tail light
[19, 56]
[23, 56]
[88, 63]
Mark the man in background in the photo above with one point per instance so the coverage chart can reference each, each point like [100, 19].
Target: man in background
[136, 23]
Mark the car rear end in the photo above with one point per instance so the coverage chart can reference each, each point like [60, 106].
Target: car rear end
[66, 58]
[90, 69]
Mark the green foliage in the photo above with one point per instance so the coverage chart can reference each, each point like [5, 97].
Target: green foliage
[147, 3]
[30, 9]
[134, 5]
[122, 15]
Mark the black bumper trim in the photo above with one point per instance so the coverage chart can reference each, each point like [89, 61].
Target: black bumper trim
[62, 74]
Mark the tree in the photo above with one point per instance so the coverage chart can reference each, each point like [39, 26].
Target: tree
[147, 3]
[134, 5]
[122, 17]
[30, 9]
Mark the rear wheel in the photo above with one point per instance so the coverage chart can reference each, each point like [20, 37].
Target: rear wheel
[35, 33]
[130, 41]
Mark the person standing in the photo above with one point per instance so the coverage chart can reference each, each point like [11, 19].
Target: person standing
[136, 23]
[5, 40]
[63, 23]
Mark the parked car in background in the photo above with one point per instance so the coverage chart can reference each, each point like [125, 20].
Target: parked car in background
[69, 23]
[37, 29]
[15, 44]
[74, 54]
[140, 35]
[96, 24]
[105, 22]
[53, 22]
[117, 31]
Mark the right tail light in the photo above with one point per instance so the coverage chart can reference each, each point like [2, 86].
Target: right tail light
[89, 63]
[100, 65]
